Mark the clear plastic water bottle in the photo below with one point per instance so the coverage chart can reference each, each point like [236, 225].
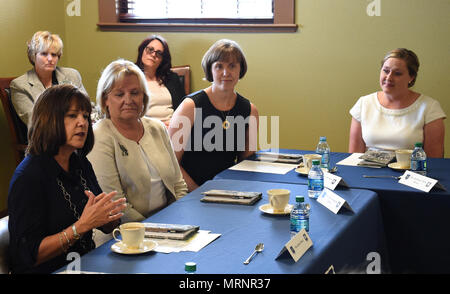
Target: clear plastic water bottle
[300, 216]
[315, 180]
[324, 149]
[419, 160]
[190, 267]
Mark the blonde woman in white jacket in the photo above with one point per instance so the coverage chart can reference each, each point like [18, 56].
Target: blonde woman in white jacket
[133, 154]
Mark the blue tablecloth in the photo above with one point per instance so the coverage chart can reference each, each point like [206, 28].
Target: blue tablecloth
[343, 240]
[415, 222]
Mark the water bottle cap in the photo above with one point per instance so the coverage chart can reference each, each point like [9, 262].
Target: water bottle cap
[299, 198]
[190, 266]
[316, 162]
[323, 138]
[418, 144]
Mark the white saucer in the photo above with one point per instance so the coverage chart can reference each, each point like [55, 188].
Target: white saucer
[147, 245]
[304, 171]
[267, 208]
[397, 166]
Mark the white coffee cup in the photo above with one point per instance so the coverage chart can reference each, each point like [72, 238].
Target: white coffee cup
[132, 234]
[403, 157]
[278, 199]
[308, 158]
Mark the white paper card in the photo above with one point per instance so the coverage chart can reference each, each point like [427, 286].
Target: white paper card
[332, 181]
[419, 182]
[352, 160]
[263, 167]
[297, 246]
[332, 201]
[194, 243]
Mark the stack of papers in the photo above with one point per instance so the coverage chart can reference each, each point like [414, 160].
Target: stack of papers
[228, 196]
[279, 157]
[169, 231]
[194, 243]
[376, 158]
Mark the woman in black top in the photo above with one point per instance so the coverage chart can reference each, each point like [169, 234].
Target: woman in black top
[216, 127]
[52, 205]
[166, 90]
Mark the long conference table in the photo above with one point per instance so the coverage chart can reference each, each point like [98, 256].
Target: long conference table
[344, 242]
[415, 223]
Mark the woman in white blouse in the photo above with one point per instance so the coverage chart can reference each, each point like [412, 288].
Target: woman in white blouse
[397, 117]
[132, 153]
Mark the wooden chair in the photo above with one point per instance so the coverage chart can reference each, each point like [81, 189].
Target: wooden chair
[4, 245]
[17, 128]
[184, 72]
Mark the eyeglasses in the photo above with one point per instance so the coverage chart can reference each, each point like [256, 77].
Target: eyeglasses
[151, 50]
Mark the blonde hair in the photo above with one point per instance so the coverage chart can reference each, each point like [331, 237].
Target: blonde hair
[223, 50]
[114, 73]
[42, 41]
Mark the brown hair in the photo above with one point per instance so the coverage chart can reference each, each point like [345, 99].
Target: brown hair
[47, 132]
[410, 58]
[223, 50]
[163, 70]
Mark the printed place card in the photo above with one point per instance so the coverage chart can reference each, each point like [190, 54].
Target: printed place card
[333, 201]
[297, 246]
[332, 181]
[419, 182]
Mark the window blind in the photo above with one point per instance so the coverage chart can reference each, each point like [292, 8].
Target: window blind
[195, 10]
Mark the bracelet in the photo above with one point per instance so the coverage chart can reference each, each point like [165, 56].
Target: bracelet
[76, 236]
[61, 242]
[67, 239]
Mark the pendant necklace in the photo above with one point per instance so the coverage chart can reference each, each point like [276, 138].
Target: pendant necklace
[226, 123]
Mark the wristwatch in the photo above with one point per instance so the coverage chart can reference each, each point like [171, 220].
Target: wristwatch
[76, 236]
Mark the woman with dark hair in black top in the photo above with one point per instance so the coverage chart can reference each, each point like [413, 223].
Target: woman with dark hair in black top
[165, 88]
[216, 127]
[52, 205]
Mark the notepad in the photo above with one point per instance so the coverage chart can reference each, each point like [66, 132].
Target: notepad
[169, 231]
[229, 196]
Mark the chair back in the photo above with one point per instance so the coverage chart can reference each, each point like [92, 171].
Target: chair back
[17, 128]
[184, 72]
[4, 245]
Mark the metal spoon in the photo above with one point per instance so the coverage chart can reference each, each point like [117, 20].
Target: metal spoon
[394, 177]
[258, 248]
[333, 170]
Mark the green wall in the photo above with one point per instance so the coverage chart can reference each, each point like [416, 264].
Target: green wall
[310, 79]
[19, 20]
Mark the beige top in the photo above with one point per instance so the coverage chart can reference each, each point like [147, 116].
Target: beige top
[160, 105]
[27, 88]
